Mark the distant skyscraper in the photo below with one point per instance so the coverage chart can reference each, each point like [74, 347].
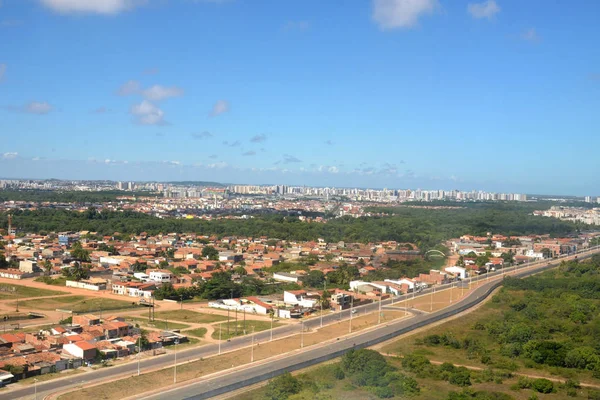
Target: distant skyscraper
[588, 199]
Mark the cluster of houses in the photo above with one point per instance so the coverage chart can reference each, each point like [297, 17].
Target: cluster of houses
[137, 266]
[86, 340]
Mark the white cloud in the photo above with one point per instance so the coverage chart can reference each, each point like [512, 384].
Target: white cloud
[391, 14]
[530, 35]
[36, 107]
[106, 7]
[202, 135]
[333, 170]
[10, 155]
[158, 92]
[290, 159]
[2, 71]
[487, 9]
[258, 138]
[128, 88]
[147, 113]
[220, 107]
[218, 165]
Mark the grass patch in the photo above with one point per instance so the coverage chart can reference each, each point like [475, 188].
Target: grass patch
[60, 281]
[238, 330]
[189, 316]
[200, 332]
[157, 324]
[78, 304]
[51, 376]
[24, 292]
[190, 343]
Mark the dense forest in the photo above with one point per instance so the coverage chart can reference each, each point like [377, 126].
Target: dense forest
[56, 196]
[425, 227]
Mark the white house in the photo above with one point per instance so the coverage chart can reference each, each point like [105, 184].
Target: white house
[457, 271]
[404, 281]
[299, 297]
[142, 276]
[160, 275]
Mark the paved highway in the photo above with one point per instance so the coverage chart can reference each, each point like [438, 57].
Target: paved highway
[308, 356]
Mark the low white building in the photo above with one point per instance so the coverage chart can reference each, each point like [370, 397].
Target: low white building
[457, 271]
[160, 275]
[286, 277]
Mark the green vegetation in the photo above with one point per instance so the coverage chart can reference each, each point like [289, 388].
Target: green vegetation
[156, 324]
[425, 227]
[189, 316]
[237, 329]
[199, 332]
[543, 325]
[6, 292]
[220, 286]
[77, 304]
[57, 196]
[60, 281]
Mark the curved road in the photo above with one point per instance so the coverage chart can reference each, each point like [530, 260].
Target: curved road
[260, 371]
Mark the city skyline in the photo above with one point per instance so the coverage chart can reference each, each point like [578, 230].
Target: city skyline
[489, 95]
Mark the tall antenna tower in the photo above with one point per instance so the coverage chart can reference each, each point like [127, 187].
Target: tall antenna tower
[9, 224]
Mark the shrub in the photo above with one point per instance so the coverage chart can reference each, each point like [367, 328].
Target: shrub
[282, 387]
[542, 385]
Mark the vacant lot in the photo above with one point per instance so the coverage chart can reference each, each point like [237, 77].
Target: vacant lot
[77, 304]
[156, 324]
[240, 328]
[189, 316]
[200, 332]
[6, 292]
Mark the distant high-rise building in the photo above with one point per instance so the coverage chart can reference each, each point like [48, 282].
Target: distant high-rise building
[588, 199]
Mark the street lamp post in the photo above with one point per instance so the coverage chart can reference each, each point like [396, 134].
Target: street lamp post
[252, 351]
[175, 369]
[270, 340]
[432, 293]
[379, 313]
[351, 309]
[35, 388]
[302, 334]
[220, 329]
[138, 355]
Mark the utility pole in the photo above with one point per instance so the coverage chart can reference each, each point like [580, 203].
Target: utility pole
[220, 329]
[322, 299]
[138, 357]
[252, 352]
[379, 312]
[302, 334]
[175, 369]
[35, 388]
[227, 323]
[451, 287]
[271, 326]
[432, 292]
[351, 309]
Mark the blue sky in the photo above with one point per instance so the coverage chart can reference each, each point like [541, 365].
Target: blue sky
[497, 95]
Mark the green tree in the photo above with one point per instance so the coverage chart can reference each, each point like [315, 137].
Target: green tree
[210, 253]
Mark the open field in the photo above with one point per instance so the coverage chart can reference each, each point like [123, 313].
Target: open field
[189, 316]
[78, 304]
[239, 330]
[156, 324]
[24, 292]
[199, 332]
